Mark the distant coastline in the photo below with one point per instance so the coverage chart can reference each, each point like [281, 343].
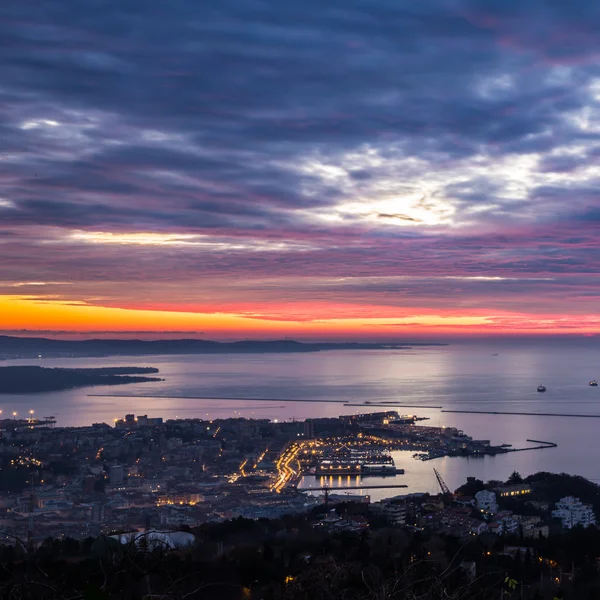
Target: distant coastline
[12, 347]
[31, 380]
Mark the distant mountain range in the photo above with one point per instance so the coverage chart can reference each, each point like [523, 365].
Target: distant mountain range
[28, 347]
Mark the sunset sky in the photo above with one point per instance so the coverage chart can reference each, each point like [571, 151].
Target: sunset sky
[337, 169]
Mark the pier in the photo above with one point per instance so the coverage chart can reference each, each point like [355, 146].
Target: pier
[523, 414]
[541, 446]
[232, 398]
[390, 405]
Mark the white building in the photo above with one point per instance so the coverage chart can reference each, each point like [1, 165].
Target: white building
[572, 512]
[486, 501]
[157, 539]
[395, 514]
[511, 525]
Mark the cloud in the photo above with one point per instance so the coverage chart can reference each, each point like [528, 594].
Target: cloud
[194, 155]
[87, 333]
[398, 216]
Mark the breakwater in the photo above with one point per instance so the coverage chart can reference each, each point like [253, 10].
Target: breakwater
[524, 414]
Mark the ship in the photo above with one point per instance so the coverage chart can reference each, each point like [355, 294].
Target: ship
[593, 383]
[381, 470]
[541, 388]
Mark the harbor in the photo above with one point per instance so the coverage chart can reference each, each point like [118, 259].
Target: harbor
[368, 451]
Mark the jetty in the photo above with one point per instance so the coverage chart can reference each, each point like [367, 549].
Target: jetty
[541, 446]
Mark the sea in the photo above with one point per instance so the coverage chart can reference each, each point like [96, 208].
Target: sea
[498, 375]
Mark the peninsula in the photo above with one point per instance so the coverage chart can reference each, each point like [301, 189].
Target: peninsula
[34, 379]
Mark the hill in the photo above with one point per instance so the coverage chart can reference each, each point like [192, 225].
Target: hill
[30, 347]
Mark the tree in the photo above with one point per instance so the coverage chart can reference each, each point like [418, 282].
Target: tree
[470, 488]
[515, 478]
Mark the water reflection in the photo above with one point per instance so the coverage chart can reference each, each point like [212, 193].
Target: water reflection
[460, 377]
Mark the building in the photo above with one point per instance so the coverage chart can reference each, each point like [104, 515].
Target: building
[486, 501]
[496, 528]
[510, 525]
[458, 522]
[116, 474]
[510, 491]
[131, 422]
[394, 513]
[309, 429]
[98, 512]
[157, 539]
[535, 532]
[572, 512]
[89, 484]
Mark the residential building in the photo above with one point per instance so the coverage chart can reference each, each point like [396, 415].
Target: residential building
[116, 474]
[572, 512]
[98, 512]
[486, 501]
[309, 429]
[394, 513]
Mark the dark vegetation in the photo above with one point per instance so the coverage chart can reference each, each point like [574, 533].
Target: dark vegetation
[291, 559]
[288, 559]
[31, 379]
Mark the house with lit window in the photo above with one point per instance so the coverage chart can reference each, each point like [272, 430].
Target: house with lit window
[512, 491]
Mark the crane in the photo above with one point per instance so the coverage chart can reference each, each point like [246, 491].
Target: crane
[445, 490]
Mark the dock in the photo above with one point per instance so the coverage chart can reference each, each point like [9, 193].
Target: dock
[354, 487]
[16, 424]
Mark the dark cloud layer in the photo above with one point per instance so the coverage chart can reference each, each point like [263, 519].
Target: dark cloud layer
[301, 143]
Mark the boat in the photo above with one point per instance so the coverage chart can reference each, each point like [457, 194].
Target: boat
[593, 383]
[541, 388]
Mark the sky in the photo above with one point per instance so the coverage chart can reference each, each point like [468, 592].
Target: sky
[356, 169]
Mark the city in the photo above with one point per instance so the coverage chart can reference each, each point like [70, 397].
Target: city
[143, 472]
[166, 484]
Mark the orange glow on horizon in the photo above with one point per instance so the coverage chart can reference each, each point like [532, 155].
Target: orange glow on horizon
[32, 314]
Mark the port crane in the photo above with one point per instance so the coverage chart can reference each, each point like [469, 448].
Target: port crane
[446, 493]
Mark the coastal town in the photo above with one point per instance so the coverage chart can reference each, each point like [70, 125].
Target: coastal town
[144, 473]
